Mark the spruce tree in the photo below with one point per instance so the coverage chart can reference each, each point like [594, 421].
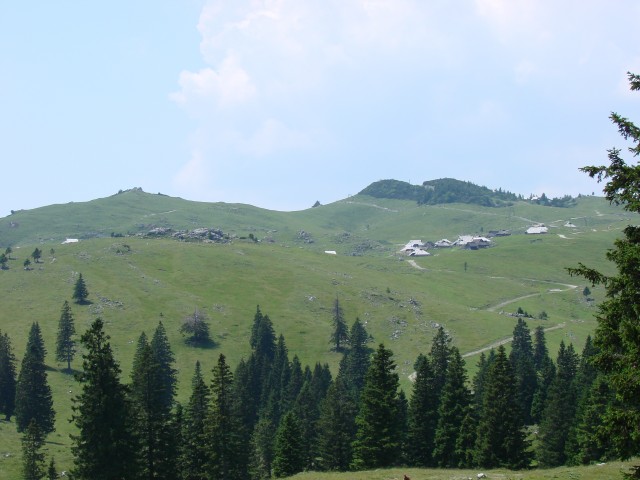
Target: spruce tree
[440, 355]
[545, 372]
[105, 446]
[165, 360]
[306, 410]
[559, 411]
[7, 377]
[262, 451]
[616, 336]
[521, 358]
[340, 332]
[33, 394]
[593, 444]
[288, 452]
[540, 351]
[454, 407]
[422, 420]
[65, 343]
[378, 438]
[80, 292]
[336, 428]
[500, 440]
[52, 472]
[356, 360]
[33, 463]
[222, 427]
[151, 415]
[585, 377]
[193, 454]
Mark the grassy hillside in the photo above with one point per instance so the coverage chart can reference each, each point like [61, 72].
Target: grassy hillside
[134, 281]
[610, 471]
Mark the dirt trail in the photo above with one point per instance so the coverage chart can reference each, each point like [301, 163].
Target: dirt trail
[505, 341]
[517, 299]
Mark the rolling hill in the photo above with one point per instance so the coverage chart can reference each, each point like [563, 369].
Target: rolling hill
[277, 260]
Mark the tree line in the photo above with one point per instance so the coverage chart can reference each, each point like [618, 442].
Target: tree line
[272, 417]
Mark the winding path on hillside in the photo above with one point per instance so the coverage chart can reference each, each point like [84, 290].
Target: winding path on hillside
[504, 341]
[551, 290]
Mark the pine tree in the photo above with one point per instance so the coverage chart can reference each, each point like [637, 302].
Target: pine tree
[151, 415]
[559, 411]
[288, 453]
[586, 375]
[165, 359]
[378, 441]
[336, 428]
[52, 473]
[65, 344]
[454, 406]
[33, 394]
[193, 454]
[545, 372]
[296, 381]
[423, 407]
[80, 292]
[500, 438]
[355, 362]
[306, 410]
[340, 333]
[540, 351]
[105, 447]
[222, 427]
[262, 452]
[7, 377]
[440, 355]
[521, 358]
[593, 444]
[33, 464]
[616, 336]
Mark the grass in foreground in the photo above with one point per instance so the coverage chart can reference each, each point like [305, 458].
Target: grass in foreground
[608, 471]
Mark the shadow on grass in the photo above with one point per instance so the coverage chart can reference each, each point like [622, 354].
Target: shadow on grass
[206, 344]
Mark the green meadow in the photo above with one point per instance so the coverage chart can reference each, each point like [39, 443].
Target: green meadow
[135, 281]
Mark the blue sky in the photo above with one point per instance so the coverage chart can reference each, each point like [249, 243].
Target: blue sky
[279, 103]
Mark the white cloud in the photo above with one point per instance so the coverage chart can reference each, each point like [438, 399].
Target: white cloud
[194, 175]
[226, 87]
[273, 136]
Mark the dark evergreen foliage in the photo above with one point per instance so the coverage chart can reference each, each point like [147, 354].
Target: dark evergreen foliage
[102, 415]
[355, 362]
[559, 411]
[454, 406]
[194, 449]
[340, 332]
[288, 451]
[422, 415]
[521, 358]
[8, 378]
[222, 427]
[262, 449]
[33, 394]
[378, 439]
[500, 438]
[152, 417]
[33, 462]
[336, 427]
[439, 355]
[80, 292]
[65, 343]
[165, 360]
[616, 336]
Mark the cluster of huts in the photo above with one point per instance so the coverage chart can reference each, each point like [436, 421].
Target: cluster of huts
[418, 248]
